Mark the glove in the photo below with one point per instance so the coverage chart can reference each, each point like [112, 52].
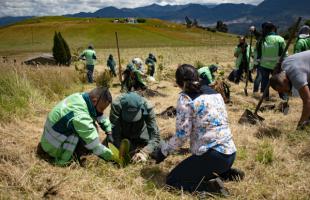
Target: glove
[139, 157]
[107, 154]
[159, 156]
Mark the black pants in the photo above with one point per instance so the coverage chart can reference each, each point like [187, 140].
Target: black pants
[90, 71]
[152, 70]
[192, 173]
[242, 69]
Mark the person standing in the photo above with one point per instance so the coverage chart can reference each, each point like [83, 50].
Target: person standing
[111, 64]
[303, 40]
[89, 55]
[242, 54]
[269, 49]
[151, 62]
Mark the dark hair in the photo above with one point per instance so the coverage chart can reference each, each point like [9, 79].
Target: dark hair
[187, 77]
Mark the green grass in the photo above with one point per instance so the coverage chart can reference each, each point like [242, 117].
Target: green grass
[37, 34]
[26, 90]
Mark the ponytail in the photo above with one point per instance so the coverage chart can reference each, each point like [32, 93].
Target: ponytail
[188, 79]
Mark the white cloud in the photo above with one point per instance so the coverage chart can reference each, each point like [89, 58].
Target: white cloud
[61, 7]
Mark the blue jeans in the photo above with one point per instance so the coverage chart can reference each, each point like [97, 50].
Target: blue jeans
[90, 71]
[190, 172]
[258, 79]
[265, 79]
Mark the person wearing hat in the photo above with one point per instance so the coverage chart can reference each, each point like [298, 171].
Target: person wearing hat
[90, 56]
[303, 40]
[133, 118]
[268, 51]
[150, 62]
[242, 54]
[111, 64]
[132, 79]
[70, 129]
[207, 74]
[138, 63]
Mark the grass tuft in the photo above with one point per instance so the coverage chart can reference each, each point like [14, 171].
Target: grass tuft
[265, 154]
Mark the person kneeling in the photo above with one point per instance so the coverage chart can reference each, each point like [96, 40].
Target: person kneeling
[71, 131]
[201, 117]
[133, 118]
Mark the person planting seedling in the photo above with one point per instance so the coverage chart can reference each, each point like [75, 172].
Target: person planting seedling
[133, 118]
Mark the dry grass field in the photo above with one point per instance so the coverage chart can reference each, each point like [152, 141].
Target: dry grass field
[275, 157]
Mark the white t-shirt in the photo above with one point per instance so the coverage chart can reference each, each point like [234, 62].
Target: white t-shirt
[297, 68]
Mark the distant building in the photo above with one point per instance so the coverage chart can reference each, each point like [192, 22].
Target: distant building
[44, 59]
[131, 20]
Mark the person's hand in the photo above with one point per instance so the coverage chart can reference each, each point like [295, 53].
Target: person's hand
[139, 157]
[159, 156]
[107, 154]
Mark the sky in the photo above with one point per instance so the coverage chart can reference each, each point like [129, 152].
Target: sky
[61, 7]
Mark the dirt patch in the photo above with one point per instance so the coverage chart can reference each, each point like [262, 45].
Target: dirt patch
[152, 93]
[265, 131]
[169, 112]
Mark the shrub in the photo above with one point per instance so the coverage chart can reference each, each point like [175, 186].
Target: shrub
[265, 154]
[141, 20]
[61, 50]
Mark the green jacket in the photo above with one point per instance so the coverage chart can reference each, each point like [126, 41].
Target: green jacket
[143, 131]
[71, 120]
[133, 79]
[206, 74]
[90, 56]
[302, 44]
[269, 50]
[238, 52]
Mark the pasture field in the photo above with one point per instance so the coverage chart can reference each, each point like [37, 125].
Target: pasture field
[37, 34]
[273, 155]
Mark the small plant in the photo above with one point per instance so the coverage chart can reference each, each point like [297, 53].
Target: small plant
[160, 67]
[121, 156]
[265, 154]
[104, 79]
[198, 64]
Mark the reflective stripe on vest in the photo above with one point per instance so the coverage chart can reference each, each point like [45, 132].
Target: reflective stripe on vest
[72, 139]
[99, 150]
[58, 136]
[269, 59]
[93, 144]
[69, 147]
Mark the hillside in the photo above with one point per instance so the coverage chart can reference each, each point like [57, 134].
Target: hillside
[37, 34]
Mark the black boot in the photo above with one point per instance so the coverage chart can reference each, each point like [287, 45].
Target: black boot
[216, 186]
[233, 174]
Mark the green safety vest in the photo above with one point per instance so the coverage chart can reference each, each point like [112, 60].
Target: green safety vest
[240, 56]
[205, 74]
[271, 49]
[90, 56]
[302, 44]
[69, 121]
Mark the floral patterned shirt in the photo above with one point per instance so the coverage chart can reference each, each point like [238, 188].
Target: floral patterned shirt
[204, 121]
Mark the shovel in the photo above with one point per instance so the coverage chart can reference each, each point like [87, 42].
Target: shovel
[253, 118]
[252, 29]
